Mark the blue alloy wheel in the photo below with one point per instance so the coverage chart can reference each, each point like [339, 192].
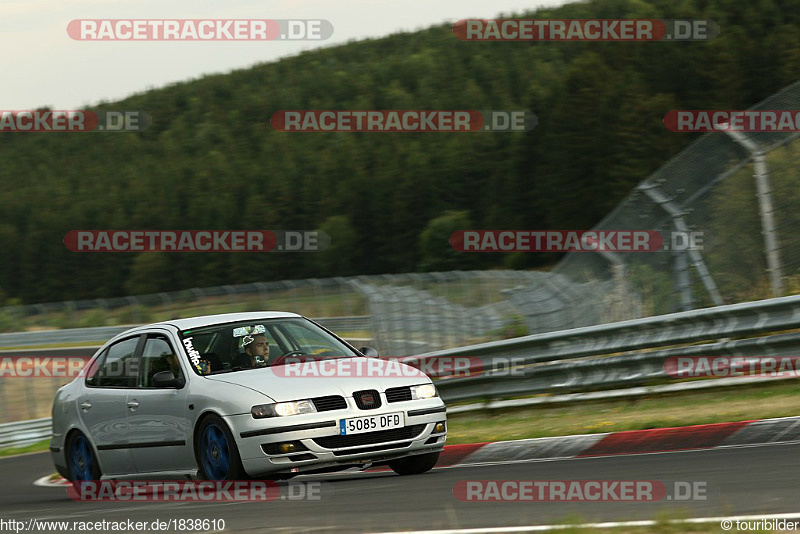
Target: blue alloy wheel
[82, 460]
[215, 453]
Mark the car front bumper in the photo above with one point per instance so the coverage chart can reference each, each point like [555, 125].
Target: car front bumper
[319, 445]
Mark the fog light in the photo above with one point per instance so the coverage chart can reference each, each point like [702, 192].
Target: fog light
[286, 447]
[439, 428]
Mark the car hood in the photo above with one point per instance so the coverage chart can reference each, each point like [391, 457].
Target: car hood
[313, 379]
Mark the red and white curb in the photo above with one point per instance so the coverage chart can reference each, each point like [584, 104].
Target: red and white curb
[710, 436]
[683, 438]
[52, 481]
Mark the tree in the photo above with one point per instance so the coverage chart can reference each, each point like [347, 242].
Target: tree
[434, 243]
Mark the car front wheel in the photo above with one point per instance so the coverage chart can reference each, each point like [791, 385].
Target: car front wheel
[414, 465]
[217, 455]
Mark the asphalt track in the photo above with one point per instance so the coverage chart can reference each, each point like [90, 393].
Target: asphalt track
[739, 481]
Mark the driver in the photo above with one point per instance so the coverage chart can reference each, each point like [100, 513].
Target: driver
[257, 350]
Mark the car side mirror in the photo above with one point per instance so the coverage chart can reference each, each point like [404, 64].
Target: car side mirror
[165, 379]
[369, 352]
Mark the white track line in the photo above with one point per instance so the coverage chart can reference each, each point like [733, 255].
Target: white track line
[609, 524]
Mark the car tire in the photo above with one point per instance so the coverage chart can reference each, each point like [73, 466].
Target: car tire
[82, 464]
[216, 451]
[415, 465]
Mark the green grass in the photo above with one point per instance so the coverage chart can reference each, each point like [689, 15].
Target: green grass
[738, 403]
[33, 447]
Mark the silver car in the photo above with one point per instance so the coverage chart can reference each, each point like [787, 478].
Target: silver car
[228, 397]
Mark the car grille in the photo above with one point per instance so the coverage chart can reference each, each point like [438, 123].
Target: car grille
[370, 438]
[398, 394]
[331, 402]
[359, 397]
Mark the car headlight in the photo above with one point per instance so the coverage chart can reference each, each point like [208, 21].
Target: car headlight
[425, 391]
[282, 409]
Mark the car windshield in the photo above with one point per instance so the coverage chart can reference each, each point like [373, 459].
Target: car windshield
[241, 346]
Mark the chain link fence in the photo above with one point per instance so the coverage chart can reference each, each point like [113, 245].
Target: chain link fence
[399, 315]
[325, 297]
[740, 194]
[403, 314]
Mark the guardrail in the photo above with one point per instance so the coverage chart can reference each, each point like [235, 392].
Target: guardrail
[24, 433]
[625, 353]
[628, 353]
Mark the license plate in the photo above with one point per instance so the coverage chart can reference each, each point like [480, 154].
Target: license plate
[372, 423]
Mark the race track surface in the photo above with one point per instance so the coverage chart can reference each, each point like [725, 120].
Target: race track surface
[739, 481]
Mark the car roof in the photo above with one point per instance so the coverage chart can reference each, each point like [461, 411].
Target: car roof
[208, 320]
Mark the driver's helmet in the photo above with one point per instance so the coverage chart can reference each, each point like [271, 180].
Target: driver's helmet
[247, 335]
[246, 341]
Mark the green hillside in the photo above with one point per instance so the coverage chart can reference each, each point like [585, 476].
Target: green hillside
[212, 160]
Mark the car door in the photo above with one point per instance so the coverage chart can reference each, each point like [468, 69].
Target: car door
[159, 418]
[102, 409]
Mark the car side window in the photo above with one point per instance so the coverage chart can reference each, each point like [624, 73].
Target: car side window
[92, 370]
[119, 368]
[158, 355]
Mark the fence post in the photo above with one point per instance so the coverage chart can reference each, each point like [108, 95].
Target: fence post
[765, 209]
[679, 223]
[682, 282]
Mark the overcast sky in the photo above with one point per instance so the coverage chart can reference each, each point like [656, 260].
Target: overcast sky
[42, 66]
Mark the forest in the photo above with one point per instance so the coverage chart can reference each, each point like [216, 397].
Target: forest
[389, 201]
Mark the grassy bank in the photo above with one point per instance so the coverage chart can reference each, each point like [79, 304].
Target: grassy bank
[781, 399]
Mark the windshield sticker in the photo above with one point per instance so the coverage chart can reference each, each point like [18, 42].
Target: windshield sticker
[249, 330]
[193, 354]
